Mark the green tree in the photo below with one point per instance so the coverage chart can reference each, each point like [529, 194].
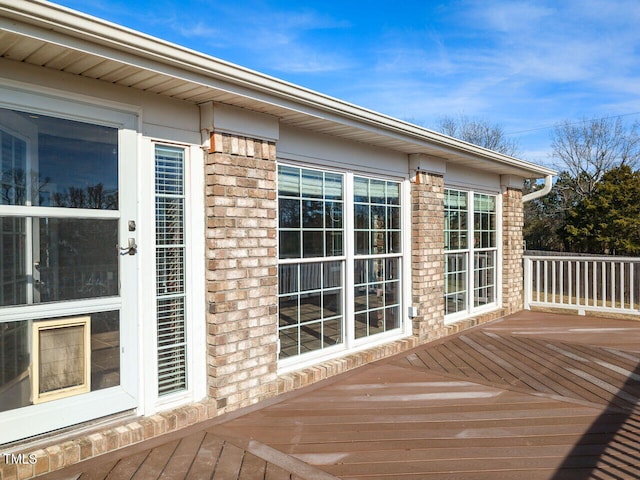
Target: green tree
[608, 220]
[545, 218]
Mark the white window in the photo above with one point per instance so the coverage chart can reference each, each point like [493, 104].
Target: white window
[378, 255]
[170, 269]
[471, 248]
[330, 296]
[311, 252]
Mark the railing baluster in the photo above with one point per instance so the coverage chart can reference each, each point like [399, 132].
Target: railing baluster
[546, 282]
[569, 279]
[603, 287]
[622, 269]
[528, 283]
[577, 282]
[613, 284]
[632, 268]
[561, 282]
[594, 277]
[553, 281]
[537, 280]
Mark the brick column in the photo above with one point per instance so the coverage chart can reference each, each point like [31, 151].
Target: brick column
[512, 250]
[241, 271]
[427, 256]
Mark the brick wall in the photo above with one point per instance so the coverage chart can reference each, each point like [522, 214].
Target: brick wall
[427, 256]
[512, 250]
[241, 271]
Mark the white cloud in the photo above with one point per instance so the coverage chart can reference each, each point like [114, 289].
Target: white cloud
[275, 40]
[198, 30]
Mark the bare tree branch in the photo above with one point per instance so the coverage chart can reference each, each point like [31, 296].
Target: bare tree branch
[587, 150]
[479, 132]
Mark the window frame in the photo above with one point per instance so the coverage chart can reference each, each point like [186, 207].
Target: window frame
[194, 271]
[301, 259]
[371, 257]
[471, 253]
[178, 293]
[350, 343]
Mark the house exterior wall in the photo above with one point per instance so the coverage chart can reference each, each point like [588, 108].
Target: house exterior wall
[241, 274]
[242, 284]
[160, 118]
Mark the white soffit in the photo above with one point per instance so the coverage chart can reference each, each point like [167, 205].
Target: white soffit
[51, 36]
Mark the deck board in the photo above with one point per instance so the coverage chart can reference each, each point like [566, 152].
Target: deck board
[125, 468]
[229, 463]
[154, 463]
[183, 456]
[536, 396]
[206, 458]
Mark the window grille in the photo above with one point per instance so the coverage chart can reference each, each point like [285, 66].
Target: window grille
[378, 251]
[470, 231]
[310, 211]
[170, 270]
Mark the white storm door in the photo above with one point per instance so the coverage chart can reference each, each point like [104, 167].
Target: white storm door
[68, 305]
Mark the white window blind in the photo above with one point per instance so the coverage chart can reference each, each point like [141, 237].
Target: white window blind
[170, 270]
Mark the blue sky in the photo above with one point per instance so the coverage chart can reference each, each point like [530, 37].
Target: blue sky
[523, 65]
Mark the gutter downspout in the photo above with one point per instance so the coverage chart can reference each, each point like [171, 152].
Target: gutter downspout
[548, 183]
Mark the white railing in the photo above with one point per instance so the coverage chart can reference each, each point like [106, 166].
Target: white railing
[594, 283]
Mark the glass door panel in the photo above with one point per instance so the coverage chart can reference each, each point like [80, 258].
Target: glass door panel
[61, 223]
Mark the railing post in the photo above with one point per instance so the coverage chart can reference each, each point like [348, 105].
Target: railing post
[528, 283]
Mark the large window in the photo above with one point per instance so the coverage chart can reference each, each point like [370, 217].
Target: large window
[322, 303]
[377, 256]
[311, 237]
[471, 251]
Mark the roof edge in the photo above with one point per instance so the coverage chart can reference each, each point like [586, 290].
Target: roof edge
[82, 26]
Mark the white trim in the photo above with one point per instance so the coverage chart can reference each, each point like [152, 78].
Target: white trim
[407, 273]
[349, 324]
[57, 212]
[296, 261]
[67, 308]
[147, 299]
[45, 417]
[500, 242]
[196, 270]
[195, 264]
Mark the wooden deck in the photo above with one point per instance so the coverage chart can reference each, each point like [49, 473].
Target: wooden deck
[535, 396]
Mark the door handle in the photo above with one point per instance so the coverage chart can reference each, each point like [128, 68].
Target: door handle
[132, 249]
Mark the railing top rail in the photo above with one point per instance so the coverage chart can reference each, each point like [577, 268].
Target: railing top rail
[599, 258]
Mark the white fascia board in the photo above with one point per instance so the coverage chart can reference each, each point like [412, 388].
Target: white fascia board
[55, 23]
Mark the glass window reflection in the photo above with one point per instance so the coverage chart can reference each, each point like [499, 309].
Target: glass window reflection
[55, 162]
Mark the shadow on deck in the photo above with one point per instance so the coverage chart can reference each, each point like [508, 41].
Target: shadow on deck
[534, 395]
